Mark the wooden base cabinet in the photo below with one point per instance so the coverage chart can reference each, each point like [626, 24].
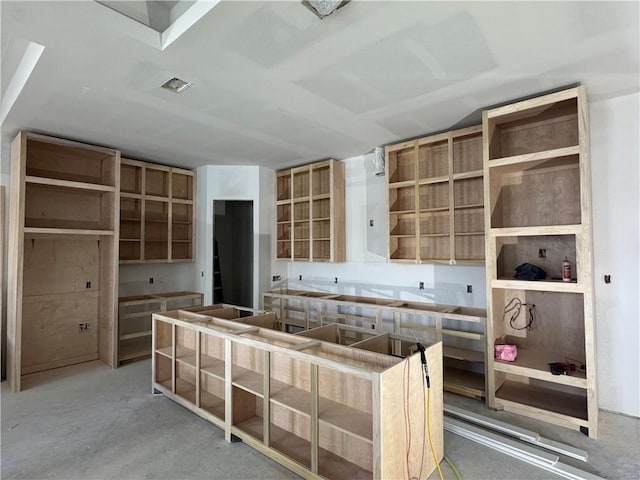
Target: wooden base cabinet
[134, 319]
[321, 409]
[63, 252]
[538, 210]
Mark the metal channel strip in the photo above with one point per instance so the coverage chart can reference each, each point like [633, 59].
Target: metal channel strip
[514, 448]
[516, 432]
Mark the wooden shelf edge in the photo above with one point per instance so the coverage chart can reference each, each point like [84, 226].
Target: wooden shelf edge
[70, 184]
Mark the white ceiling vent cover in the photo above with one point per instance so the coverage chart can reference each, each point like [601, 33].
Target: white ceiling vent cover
[176, 85]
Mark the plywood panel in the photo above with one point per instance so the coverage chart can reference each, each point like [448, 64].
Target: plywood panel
[51, 336]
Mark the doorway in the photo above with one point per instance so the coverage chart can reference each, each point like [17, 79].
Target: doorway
[233, 252]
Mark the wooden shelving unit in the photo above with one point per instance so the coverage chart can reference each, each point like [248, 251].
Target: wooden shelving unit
[538, 198]
[321, 409]
[62, 254]
[156, 213]
[435, 199]
[310, 213]
[461, 329]
[134, 319]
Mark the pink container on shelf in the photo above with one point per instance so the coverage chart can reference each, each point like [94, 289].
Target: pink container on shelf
[506, 352]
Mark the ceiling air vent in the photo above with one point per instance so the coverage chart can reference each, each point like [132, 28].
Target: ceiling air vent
[176, 85]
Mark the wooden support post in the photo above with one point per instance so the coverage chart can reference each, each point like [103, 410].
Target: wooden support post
[314, 419]
[228, 388]
[266, 400]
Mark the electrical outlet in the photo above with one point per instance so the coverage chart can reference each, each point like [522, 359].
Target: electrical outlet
[150, 280]
[469, 289]
[335, 280]
[371, 223]
[542, 253]
[299, 278]
[276, 278]
[607, 279]
[421, 286]
[83, 327]
[88, 285]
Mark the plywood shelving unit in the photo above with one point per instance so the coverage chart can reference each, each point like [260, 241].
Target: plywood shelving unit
[538, 196]
[435, 199]
[62, 254]
[134, 319]
[310, 214]
[156, 213]
[321, 409]
[461, 329]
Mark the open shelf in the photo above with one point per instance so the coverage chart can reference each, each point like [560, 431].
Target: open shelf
[433, 159]
[181, 185]
[463, 382]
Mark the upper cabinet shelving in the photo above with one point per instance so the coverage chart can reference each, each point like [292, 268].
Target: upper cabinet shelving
[156, 213]
[435, 198]
[310, 213]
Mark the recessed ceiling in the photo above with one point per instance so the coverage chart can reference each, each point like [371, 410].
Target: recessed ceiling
[272, 85]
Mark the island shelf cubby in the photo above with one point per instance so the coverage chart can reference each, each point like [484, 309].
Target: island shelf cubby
[314, 406]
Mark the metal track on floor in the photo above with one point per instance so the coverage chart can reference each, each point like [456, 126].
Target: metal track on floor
[509, 439]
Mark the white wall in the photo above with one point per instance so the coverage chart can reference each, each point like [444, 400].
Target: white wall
[615, 154]
[234, 183]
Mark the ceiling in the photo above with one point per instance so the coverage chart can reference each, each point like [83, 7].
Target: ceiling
[273, 85]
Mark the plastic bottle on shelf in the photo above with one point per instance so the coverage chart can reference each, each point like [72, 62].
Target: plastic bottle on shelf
[566, 270]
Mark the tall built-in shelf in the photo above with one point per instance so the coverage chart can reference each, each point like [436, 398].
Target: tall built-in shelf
[318, 407]
[156, 213]
[435, 199]
[538, 210]
[310, 215]
[63, 248]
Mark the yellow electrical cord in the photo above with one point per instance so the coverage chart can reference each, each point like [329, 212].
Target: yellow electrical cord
[433, 452]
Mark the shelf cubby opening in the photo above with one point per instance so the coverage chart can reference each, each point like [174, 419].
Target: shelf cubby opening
[402, 166]
[300, 211]
[212, 356]
[136, 347]
[402, 224]
[130, 178]
[283, 213]
[402, 199]
[283, 249]
[130, 251]
[247, 413]
[181, 213]
[58, 207]
[284, 231]
[561, 399]
[467, 153]
[544, 251]
[535, 130]
[301, 231]
[181, 232]
[463, 381]
[212, 395]
[156, 250]
[468, 192]
[322, 249]
[130, 230]
[156, 211]
[156, 182]
[68, 162]
[301, 249]
[321, 180]
[322, 229]
[469, 247]
[434, 196]
[182, 250]
[301, 184]
[388, 345]
[434, 223]
[163, 370]
[433, 160]
[557, 326]
[321, 209]
[163, 335]
[402, 248]
[538, 196]
[435, 248]
[469, 220]
[283, 186]
[186, 382]
[181, 186]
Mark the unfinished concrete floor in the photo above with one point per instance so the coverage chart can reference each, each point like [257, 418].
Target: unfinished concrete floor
[91, 422]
